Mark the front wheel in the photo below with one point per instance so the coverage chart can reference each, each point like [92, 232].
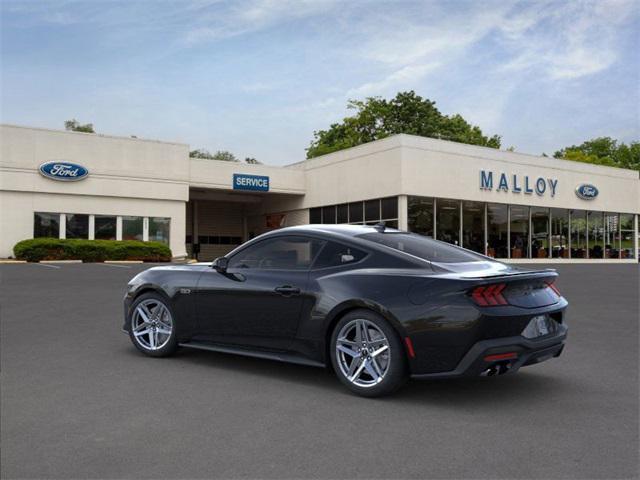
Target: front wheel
[367, 354]
[152, 327]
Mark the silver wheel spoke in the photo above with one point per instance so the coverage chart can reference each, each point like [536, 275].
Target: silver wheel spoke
[137, 334]
[348, 351]
[140, 327]
[358, 371]
[164, 331]
[368, 365]
[377, 352]
[144, 313]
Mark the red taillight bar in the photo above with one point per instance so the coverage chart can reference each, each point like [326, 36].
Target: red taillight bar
[501, 356]
[552, 286]
[489, 295]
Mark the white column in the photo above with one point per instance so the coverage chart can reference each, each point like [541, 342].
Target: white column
[635, 236]
[118, 228]
[63, 225]
[145, 229]
[92, 227]
[403, 212]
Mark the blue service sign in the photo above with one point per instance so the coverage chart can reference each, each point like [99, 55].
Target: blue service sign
[63, 171]
[586, 191]
[250, 182]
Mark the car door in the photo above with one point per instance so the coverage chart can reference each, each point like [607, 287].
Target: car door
[258, 300]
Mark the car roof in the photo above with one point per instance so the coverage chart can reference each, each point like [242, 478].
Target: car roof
[344, 230]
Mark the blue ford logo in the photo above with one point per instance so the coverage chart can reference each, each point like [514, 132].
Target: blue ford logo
[64, 171]
[586, 191]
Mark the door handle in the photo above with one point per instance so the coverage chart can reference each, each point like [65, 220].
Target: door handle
[287, 290]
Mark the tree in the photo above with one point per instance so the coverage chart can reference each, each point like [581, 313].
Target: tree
[219, 155]
[75, 126]
[377, 118]
[252, 161]
[604, 151]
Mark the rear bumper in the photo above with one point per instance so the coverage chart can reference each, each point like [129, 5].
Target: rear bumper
[528, 352]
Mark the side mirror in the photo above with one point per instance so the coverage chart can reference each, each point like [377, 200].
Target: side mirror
[220, 264]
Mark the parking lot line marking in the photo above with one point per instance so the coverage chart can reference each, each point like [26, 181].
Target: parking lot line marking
[47, 265]
[114, 265]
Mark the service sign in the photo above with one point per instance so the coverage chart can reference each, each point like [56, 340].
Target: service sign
[257, 183]
[63, 171]
[586, 191]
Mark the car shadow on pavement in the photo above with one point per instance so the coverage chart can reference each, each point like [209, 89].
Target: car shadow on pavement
[527, 386]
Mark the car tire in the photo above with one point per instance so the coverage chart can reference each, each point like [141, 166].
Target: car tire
[376, 373]
[150, 318]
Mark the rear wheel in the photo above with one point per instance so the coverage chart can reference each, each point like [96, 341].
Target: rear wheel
[367, 354]
[152, 326]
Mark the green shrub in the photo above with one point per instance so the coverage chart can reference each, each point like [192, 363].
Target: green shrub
[36, 249]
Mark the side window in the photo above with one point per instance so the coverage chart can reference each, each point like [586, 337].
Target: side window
[335, 254]
[283, 253]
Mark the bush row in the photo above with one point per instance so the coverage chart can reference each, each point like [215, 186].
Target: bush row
[36, 249]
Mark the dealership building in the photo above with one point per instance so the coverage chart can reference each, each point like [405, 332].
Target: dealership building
[507, 205]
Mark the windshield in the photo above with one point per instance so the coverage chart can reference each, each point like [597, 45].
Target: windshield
[423, 247]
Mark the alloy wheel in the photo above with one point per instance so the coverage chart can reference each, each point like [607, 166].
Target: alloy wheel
[151, 324]
[363, 353]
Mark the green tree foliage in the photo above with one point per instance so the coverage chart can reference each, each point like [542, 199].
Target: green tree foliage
[75, 126]
[604, 151]
[219, 155]
[377, 118]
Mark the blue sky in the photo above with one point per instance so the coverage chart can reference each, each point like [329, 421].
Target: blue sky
[258, 77]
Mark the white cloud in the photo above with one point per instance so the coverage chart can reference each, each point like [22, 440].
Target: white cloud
[405, 77]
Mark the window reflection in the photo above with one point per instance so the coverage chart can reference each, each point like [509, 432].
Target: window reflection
[578, 234]
[559, 233]
[611, 235]
[473, 226]
[497, 228]
[539, 232]
[420, 215]
[46, 225]
[448, 221]
[595, 237]
[626, 236]
[519, 232]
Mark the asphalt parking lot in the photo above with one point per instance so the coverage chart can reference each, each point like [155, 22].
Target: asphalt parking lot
[78, 401]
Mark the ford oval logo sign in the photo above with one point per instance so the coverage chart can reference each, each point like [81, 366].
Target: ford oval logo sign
[586, 191]
[64, 171]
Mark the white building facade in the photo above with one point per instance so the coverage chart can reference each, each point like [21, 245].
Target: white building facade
[507, 205]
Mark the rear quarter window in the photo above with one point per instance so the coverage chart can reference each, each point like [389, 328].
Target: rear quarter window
[423, 247]
[336, 254]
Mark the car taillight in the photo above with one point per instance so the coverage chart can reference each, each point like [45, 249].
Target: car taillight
[489, 295]
[551, 284]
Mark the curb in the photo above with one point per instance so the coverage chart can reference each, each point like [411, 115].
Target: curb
[60, 261]
[7, 261]
[123, 261]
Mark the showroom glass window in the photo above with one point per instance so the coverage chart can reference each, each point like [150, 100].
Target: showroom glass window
[342, 213]
[132, 228]
[611, 235]
[559, 233]
[497, 230]
[420, 215]
[315, 215]
[329, 214]
[372, 212]
[539, 232]
[626, 235]
[356, 212]
[46, 225]
[159, 228]
[596, 234]
[448, 221]
[519, 231]
[105, 227]
[77, 226]
[284, 253]
[473, 226]
[578, 234]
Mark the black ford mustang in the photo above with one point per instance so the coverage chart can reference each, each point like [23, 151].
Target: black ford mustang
[376, 304]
